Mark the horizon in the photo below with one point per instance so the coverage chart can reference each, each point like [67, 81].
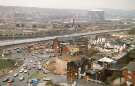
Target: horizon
[67, 8]
[69, 4]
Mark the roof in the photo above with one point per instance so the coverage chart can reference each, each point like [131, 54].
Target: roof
[105, 59]
[131, 66]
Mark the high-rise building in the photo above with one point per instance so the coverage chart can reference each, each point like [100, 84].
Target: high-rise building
[96, 15]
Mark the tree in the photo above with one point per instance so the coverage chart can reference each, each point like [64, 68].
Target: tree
[132, 31]
[92, 52]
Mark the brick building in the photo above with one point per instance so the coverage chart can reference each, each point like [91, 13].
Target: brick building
[56, 46]
[77, 68]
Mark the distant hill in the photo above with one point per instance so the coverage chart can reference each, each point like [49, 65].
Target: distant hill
[46, 14]
[115, 13]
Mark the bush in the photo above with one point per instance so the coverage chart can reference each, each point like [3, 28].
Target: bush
[6, 63]
[132, 31]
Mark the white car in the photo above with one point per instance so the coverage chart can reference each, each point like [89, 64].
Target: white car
[39, 63]
[21, 70]
[31, 61]
[16, 74]
[46, 79]
[24, 65]
[25, 71]
[21, 78]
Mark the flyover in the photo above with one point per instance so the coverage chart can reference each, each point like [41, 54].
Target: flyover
[30, 40]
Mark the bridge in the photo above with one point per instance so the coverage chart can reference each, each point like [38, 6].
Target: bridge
[30, 40]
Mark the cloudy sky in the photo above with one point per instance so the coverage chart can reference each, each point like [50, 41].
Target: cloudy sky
[75, 4]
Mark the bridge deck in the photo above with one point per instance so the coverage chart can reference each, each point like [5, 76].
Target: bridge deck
[14, 42]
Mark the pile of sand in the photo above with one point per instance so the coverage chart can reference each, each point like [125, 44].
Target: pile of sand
[57, 66]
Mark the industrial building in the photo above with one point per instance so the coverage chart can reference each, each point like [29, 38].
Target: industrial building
[96, 15]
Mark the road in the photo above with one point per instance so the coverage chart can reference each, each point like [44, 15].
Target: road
[16, 79]
[30, 60]
[14, 42]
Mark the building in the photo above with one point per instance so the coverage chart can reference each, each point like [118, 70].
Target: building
[56, 46]
[70, 49]
[72, 71]
[129, 74]
[83, 45]
[96, 15]
[76, 69]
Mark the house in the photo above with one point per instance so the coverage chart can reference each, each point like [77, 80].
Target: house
[106, 62]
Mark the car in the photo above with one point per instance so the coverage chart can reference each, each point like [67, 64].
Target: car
[24, 66]
[45, 71]
[21, 78]
[33, 66]
[29, 68]
[11, 80]
[31, 61]
[35, 81]
[25, 71]
[46, 79]
[39, 63]
[20, 71]
[6, 79]
[11, 71]
[16, 74]
[39, 67]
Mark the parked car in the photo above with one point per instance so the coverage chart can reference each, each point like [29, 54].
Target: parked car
[21, 70]
[25, 71]
[21, 78]
[11, 80]
[6, 79]
[29, 68]
[46, 79]
[16, 74]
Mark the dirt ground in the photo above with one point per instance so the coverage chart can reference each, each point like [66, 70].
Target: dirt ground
[59, 66]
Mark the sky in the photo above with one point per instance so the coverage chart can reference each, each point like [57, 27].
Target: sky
[73, 4]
